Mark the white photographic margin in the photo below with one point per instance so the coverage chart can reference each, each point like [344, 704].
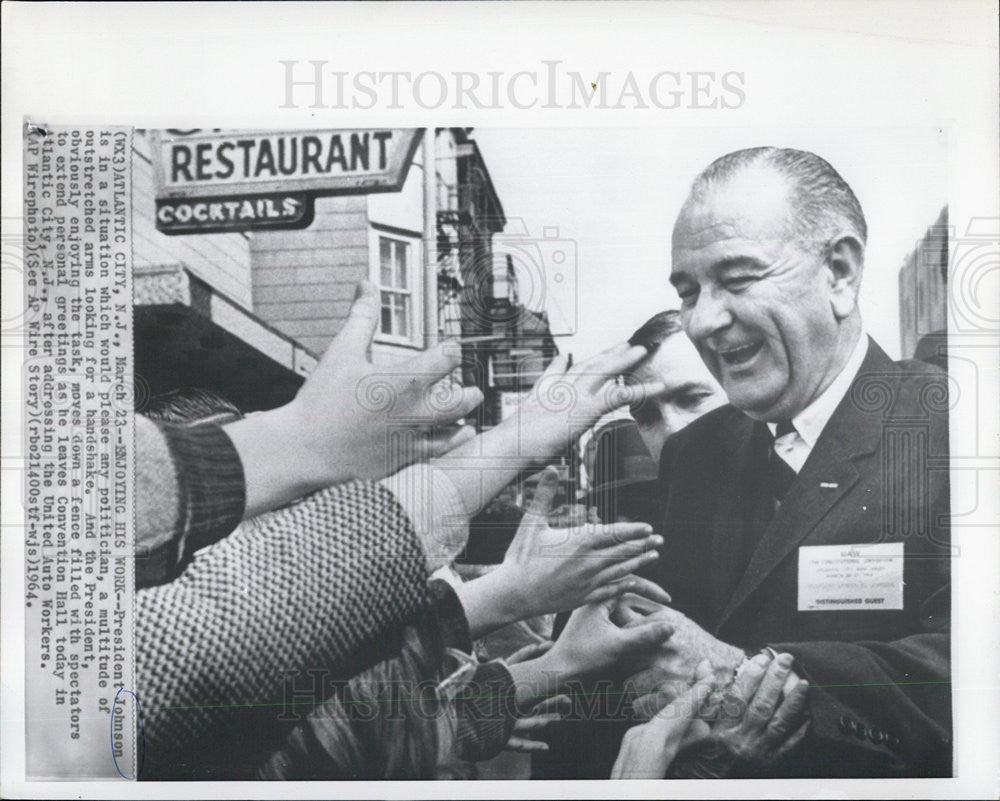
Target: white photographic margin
[809, 64]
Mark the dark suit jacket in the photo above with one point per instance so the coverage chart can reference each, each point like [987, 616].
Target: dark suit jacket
[880, 695]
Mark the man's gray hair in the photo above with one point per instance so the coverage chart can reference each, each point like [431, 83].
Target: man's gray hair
[822, 201]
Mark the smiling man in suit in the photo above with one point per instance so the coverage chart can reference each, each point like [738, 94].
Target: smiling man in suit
[810, 515]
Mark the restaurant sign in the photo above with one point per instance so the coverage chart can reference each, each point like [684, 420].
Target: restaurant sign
[231, 181]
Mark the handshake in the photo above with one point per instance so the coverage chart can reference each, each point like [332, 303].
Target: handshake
[705, 721]
[700, 697]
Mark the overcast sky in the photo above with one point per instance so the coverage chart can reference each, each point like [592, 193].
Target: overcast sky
[614, 193]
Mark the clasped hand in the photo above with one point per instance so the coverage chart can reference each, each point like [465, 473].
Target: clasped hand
[757, 711]
[756, 723]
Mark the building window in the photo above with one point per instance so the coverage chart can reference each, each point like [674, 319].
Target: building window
[396, 287]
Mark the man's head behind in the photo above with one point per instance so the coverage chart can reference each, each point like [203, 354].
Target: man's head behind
[767, 257]
[191, 406]
[689, 389]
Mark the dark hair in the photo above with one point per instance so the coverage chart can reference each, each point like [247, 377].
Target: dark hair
[191, 405]
[821, 199]
[656, 329]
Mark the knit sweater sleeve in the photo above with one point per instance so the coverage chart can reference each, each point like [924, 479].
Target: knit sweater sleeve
[433, 504]
[189, 493]
[270, 615]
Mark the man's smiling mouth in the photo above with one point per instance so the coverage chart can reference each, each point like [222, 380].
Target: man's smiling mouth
[739, 354]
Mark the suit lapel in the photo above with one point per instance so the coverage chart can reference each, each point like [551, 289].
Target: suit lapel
[829, 473]
[730, 514]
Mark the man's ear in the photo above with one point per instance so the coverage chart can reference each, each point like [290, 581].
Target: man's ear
[845, 261]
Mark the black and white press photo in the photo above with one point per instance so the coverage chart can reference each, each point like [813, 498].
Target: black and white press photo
[506, 419]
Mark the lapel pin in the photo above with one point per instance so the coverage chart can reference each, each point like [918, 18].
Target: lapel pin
[828, 485]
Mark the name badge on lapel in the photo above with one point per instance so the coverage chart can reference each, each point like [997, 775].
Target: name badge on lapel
[850, 577]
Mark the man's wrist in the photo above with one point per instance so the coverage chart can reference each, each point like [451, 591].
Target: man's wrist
[489, 602]
[509, 588]
[278, 464]
[538, 679]
[537, 440]
[728, 663]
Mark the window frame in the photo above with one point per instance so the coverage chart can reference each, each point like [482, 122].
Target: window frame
[414, 262]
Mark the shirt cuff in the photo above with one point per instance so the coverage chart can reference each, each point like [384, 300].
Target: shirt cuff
[213, 487]
[486, 713]
[452, 623]
[434, 506]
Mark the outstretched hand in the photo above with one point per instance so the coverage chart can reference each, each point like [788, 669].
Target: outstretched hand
[566, 401]
[675, 664]
[591, 643]
[549, 570]
[351, 420]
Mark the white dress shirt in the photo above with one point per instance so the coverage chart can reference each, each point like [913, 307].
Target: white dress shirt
[796, 446]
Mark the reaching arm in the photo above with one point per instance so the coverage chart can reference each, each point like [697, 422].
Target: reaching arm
[323, 585]
[548, 570]
[347, 420]
[563, 404]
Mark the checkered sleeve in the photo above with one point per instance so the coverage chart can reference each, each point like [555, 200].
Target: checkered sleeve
[485, 708]
[289, 603]
[486, 713]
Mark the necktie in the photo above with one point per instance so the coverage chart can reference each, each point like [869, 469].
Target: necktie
[768, 479]
[780, 474]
